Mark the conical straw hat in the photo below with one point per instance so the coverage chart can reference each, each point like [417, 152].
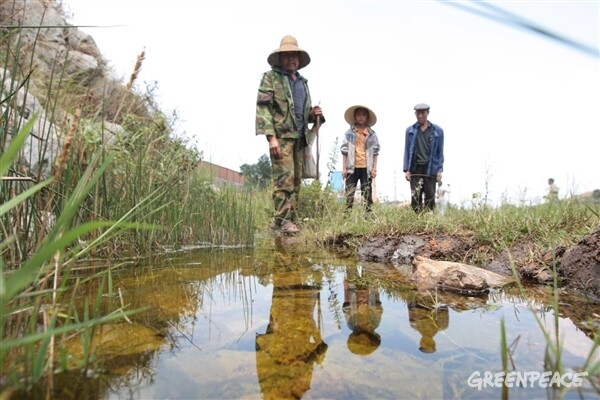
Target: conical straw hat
[349, 115]
[289, 43]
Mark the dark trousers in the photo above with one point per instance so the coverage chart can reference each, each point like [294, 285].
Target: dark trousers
[422, 189]
[360, 174]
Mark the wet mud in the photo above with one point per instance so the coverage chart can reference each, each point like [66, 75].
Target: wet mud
[578, 267]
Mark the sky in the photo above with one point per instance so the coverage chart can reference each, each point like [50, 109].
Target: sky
[516, 107]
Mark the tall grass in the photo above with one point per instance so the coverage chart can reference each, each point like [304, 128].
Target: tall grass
[93, 113]
[115, 182]
[33, 318]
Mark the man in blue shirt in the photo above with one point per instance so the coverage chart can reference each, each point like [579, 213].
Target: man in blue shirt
[423, 159]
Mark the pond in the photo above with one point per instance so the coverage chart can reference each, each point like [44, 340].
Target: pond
[280, 321]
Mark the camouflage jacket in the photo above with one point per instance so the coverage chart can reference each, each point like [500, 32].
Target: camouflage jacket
[275, 106]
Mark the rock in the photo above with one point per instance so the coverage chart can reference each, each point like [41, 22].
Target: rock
[430, 274]
[42, 145]
[48, 47]
[61, 45]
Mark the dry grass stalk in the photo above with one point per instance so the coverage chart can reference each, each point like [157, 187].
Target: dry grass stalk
[134, 75]
[67, 144]
[136, 69]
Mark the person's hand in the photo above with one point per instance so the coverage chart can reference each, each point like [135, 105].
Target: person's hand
[316, 112]
[407, 175]
[274, 149]
[344, 173]
[439, 177]
[373, 173]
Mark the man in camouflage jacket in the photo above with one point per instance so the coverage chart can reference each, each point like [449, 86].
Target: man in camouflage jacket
[283, 112]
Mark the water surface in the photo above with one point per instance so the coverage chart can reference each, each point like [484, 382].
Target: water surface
[297, 322]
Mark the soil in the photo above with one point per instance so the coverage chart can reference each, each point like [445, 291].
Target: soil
[578, 267]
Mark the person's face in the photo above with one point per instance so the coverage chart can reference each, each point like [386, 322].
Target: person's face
[289, 61]
[361, 116]
[422, 116]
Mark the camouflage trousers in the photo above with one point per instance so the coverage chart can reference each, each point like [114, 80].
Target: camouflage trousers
[287, 177]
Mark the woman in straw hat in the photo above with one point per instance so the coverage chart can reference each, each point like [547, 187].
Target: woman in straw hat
[360, 149]
[283, 112]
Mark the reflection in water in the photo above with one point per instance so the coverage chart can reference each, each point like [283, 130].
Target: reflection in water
[428, 320]
[362, 309]
[292, 343]
[258, 323]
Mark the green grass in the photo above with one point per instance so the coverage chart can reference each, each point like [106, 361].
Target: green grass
[31, 295]
[492, 230]
[153, 177]
[122, 184]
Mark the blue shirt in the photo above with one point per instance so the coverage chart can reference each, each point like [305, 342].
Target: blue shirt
[436, 151]
[299, 95]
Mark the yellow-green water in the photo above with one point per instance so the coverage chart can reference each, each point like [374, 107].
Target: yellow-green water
[280, 322]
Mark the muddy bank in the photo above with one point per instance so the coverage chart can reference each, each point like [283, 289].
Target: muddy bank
[578, 266]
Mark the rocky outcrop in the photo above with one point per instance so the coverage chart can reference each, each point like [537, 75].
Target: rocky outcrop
[60, 47]
[43, 46]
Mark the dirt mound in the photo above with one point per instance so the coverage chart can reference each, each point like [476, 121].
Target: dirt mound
[579, 267]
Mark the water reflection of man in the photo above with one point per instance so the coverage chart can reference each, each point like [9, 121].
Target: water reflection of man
[428, 320]
[362, 309]
[292, 343]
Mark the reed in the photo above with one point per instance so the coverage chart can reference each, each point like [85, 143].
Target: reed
[117, 183]
[31, 295]
[102, 116]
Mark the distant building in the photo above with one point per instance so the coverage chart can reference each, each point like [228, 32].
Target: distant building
[222, 175]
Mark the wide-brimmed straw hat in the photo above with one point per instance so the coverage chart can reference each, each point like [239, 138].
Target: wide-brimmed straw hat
[288, 43]
[349, 115]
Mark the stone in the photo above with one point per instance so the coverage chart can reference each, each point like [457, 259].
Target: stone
[42, 145]
[431, 274]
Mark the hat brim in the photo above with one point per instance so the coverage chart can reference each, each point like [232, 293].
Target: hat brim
[349, 115]
[273, 58]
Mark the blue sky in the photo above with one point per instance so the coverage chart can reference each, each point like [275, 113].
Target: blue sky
[516, 107]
